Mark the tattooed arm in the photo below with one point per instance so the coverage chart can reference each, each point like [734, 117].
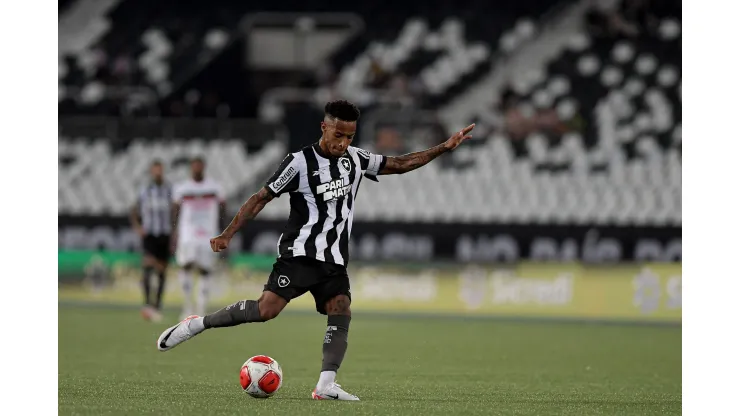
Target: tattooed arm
[411, 161]
[248, 211]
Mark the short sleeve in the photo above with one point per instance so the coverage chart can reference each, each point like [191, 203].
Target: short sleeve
[286, 178]
[370, 163]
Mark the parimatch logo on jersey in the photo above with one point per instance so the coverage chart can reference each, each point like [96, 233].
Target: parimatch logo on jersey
[334, 189]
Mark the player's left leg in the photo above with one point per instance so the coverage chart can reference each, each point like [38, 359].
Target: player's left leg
[339, 315]
[278, 291]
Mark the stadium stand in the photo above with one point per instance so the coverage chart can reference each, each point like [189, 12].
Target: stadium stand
[593, 136]
[95, 179]
[137, 53]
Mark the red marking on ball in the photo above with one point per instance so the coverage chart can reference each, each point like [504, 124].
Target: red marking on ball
[244, 377]
[269, 382]
[262, 359]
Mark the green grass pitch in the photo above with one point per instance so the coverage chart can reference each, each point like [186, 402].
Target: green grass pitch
[108, 364]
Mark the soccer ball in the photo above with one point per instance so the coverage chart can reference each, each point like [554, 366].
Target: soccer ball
[261, 376]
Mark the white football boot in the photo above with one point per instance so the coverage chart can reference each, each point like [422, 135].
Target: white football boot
[333, 392]
[176, 335]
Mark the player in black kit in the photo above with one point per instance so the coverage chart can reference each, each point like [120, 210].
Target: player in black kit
[322, 181]
[150, 218]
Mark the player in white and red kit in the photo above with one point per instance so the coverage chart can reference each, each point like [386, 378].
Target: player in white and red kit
[199, 206]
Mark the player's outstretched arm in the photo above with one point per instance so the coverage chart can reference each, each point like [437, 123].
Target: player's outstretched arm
[248, 211]
[411, 161]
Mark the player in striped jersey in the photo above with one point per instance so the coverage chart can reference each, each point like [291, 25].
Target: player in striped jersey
[322, 181]
[150, 218]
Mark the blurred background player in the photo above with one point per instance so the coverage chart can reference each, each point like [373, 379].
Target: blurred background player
[198, 206]
[151, 219]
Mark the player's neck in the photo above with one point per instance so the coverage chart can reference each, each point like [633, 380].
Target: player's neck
[198, 178]
[322, 150]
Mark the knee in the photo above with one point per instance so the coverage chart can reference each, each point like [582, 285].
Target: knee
[338, 305]
[270, 307]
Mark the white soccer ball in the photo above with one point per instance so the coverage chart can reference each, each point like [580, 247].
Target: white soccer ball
[261, 376]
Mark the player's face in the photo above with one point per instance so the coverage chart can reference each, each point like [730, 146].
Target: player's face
[157, 172]
[338, 135]
[197, 168]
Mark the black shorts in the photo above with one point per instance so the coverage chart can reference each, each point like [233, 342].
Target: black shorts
[157, 246]
[292, 277]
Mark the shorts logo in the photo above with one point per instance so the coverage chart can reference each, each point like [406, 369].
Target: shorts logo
[345, 164]
[283, 281]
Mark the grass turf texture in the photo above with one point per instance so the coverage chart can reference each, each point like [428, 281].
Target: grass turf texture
[108, 364]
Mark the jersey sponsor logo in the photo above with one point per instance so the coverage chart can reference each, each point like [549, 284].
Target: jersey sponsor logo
[345, 164]
[283, 281]
[283, 179]
[334, 189]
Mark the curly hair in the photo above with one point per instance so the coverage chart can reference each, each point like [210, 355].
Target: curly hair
[342, 110]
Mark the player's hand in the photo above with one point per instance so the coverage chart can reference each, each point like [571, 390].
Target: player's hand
[459, 137]
[219, 243]
[139, 231]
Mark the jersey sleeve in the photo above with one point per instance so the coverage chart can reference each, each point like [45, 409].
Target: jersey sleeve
[370, 163]
[286, 178]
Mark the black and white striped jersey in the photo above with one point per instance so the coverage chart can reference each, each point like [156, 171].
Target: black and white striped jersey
[154, 208]
[322, 200]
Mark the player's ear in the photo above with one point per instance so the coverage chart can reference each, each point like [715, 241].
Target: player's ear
[323, 126]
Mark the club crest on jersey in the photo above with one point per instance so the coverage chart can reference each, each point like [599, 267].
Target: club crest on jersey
[345, 164]
[334, 188]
